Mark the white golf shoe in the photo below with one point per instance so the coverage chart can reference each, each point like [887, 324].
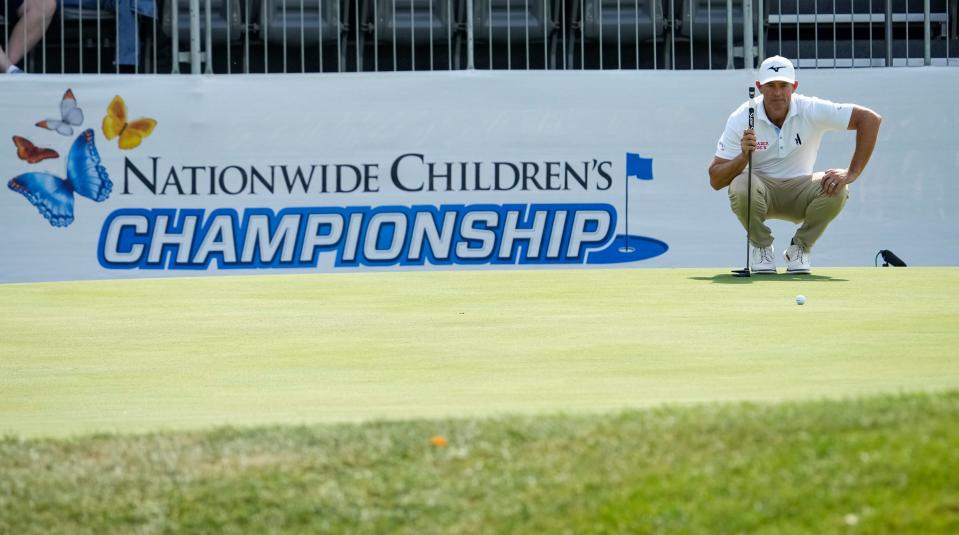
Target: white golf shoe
[761, 260]
[797, 260]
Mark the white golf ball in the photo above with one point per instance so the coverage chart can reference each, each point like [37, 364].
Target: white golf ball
[800, 299]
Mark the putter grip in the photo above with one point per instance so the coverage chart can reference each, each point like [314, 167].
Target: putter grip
[752, 107]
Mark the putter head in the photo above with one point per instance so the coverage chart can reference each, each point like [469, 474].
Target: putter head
[741, 272]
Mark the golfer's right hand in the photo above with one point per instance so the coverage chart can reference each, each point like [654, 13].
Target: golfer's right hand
[748, 142]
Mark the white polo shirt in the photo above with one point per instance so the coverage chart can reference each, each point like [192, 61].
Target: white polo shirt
[791, 151]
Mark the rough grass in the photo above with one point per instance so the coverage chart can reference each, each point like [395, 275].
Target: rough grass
[161, 365]
[868, 465]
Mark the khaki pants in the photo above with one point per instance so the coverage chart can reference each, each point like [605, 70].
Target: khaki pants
[798, 200]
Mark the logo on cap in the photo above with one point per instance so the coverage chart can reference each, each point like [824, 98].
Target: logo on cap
[775, 68]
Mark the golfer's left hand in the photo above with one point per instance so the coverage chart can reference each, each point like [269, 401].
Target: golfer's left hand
[834, 181]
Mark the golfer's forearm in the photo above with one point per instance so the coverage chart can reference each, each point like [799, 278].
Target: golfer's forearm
[867, 131]
[722, 173]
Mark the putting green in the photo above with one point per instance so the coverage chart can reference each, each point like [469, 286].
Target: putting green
[133, 356]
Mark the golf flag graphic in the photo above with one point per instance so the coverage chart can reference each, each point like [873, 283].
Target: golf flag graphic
[639, 167]
[628, 247]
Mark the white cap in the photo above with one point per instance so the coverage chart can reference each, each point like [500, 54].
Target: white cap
[776, 69]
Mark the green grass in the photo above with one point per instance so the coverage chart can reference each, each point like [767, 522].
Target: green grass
[884, 464]
[140, 356]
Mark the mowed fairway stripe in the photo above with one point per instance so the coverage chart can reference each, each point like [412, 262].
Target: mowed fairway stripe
[186, 353]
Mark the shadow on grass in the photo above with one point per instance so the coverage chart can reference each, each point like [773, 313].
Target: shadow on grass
[728, 278]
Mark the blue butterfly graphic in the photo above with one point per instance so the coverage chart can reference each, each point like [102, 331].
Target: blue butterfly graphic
[53, 196]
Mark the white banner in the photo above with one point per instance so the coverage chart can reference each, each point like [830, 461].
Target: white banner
[133, 176]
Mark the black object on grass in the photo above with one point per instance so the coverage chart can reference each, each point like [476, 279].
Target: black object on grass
[888, 259]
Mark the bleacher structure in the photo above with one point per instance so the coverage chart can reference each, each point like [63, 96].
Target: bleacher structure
[255, 36]
[855, 33]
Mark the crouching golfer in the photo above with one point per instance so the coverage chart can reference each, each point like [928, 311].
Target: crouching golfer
[784, 143]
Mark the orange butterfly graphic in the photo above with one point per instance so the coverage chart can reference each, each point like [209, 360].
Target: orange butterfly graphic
[30, 153]
[131, 134]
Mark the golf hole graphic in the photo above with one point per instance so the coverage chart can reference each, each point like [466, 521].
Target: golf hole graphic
[628, 248]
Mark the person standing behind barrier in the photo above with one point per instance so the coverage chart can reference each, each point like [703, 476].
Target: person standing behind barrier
[785, 141]
[34, 18]
[128, 13]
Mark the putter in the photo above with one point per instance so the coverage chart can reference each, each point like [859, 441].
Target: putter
[749, 184]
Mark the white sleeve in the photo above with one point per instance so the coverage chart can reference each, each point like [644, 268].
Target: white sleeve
[728, 146]
[830, 115]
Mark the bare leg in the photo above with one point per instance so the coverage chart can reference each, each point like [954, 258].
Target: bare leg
[35, 17]
[4, 61]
